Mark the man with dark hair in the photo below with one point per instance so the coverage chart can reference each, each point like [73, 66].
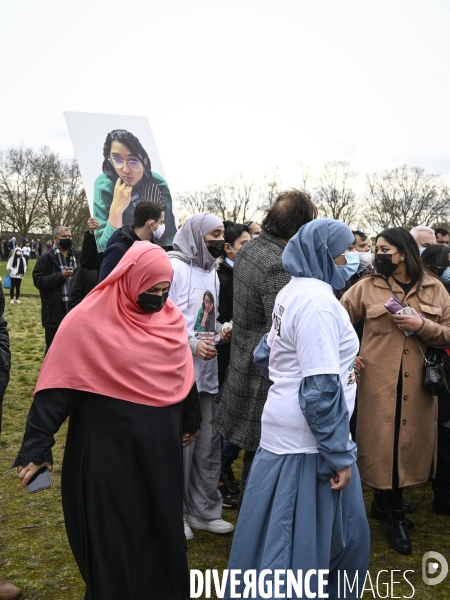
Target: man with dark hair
[254, 228]
[258, 277]
[442, 236]
[235, 236]
[148, 224]
[8, 591]
[52, 276]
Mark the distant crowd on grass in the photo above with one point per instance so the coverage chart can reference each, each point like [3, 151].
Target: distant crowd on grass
[297, 341]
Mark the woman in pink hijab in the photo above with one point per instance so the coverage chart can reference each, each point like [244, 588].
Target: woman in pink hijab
[121, 367]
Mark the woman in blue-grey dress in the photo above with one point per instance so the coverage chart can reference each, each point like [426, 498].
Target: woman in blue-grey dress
[303, 506]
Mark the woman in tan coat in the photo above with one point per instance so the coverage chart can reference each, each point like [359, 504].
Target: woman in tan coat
[396, 433]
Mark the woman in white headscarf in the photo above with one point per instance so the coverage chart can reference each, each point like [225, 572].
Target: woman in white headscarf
[197, 245]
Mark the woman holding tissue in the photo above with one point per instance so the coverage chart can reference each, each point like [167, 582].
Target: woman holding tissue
[303, 506]
[396, 432]
[195, 288]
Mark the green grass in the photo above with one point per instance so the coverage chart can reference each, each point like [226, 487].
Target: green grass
[34, 552]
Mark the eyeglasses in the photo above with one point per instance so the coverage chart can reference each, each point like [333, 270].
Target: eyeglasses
[134, 164]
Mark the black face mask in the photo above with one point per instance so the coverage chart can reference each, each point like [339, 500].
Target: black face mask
[384, 264]
[215, 248]
[65, 243]
[151, 302]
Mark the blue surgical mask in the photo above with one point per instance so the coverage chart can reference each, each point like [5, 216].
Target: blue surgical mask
[421, 250]
[348, 270]
[445, 277]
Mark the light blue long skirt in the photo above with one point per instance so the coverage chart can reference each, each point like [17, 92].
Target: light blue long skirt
[291, 519]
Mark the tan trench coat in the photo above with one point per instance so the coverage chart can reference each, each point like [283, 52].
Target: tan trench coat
[385, 349]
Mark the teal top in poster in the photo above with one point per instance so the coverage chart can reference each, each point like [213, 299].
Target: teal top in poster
[152, 187]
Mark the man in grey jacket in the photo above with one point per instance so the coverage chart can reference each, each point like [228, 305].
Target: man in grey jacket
[258, 277]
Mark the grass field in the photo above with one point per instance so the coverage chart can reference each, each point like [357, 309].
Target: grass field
[34, 552]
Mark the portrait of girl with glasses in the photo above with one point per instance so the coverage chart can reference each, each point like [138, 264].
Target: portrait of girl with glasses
[127, 179]
[206, 316]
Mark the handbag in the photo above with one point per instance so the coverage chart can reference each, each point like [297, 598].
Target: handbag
[434, 380]
[7, 282]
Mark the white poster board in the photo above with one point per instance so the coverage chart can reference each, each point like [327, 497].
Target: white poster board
[100, 142]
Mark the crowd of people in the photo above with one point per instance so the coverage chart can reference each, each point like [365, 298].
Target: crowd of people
[276, 340]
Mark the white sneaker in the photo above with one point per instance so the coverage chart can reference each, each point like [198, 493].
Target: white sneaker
[187, 530]
[18, 302]
[11, 301]
[214, 526]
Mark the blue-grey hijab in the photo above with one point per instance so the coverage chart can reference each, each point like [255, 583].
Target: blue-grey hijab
[311, 251]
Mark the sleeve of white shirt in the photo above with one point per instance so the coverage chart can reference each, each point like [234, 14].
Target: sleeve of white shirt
[316, 339]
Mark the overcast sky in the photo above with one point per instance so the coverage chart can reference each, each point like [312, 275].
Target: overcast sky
[236, 86]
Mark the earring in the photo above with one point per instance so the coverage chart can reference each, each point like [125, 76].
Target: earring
[402, 259]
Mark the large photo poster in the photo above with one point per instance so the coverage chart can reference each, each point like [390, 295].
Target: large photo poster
[120, 166]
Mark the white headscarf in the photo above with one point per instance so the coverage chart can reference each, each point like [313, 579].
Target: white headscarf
[189, 238]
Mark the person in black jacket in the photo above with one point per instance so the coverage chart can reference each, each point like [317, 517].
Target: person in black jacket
[85, 276]
[436, 260]
[7, 589]
[52, 276]
[148, 224]
[235, 236]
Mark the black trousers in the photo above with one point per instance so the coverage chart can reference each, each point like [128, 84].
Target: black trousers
[393, 497]
[15, 285]
[49, 337]
[441, 484]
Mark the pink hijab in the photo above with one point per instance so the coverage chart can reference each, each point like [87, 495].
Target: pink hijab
[107, 345]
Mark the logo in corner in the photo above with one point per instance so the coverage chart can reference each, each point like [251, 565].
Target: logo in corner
[430, 567]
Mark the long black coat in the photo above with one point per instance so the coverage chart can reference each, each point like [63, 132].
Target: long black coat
[48, 279]
[258, 277]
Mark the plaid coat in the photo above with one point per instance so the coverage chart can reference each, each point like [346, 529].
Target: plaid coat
[258, 277]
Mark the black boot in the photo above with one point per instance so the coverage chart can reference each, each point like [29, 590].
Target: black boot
[407, 507]
[378, 509]
[398, 532]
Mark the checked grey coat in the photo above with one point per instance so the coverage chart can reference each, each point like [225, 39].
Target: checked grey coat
[258, 277]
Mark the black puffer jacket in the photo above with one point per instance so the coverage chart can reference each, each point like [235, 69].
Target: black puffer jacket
[119, 243]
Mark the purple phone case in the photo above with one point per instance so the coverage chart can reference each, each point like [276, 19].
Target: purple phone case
[393, 305]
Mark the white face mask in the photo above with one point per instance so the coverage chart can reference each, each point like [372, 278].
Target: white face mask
[365, 258]
[159, 232]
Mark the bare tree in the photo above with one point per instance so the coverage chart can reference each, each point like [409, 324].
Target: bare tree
[306, 180]
[22, 186]
[237, 199]
[64, 198]
[334, 194]
[271, 187]
[405, 197]
[194, 201]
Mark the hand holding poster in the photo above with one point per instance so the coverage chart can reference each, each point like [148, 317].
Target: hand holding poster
[120, 167]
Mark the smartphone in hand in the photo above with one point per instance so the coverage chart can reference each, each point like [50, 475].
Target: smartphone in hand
[40, 481]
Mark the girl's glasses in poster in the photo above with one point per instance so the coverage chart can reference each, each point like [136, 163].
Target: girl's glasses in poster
[134, 164]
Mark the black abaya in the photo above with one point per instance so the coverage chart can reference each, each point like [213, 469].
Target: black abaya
[122, 490]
